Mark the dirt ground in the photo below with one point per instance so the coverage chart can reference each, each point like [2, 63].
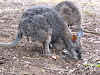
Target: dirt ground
[22, 60]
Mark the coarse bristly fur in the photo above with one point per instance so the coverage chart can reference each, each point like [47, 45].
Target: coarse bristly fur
[43, 23]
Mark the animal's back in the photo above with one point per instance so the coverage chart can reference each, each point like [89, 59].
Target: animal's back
[36, 21]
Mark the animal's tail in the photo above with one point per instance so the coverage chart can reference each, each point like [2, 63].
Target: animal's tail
[13, 43]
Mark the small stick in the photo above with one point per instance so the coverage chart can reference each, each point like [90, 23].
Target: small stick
[87, 31]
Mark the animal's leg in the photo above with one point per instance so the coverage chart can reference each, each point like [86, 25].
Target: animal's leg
[47, 42]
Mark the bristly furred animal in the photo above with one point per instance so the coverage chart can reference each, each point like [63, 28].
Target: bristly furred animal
[43, 23]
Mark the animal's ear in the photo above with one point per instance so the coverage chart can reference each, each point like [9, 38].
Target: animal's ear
[74, 37]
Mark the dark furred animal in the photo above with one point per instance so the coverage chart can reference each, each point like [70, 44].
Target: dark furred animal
[70, 13]
[43, 23]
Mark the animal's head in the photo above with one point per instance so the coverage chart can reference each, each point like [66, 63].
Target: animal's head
[73, 50]
[69, 12]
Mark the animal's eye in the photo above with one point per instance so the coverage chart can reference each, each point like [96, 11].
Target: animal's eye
[77, 50]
